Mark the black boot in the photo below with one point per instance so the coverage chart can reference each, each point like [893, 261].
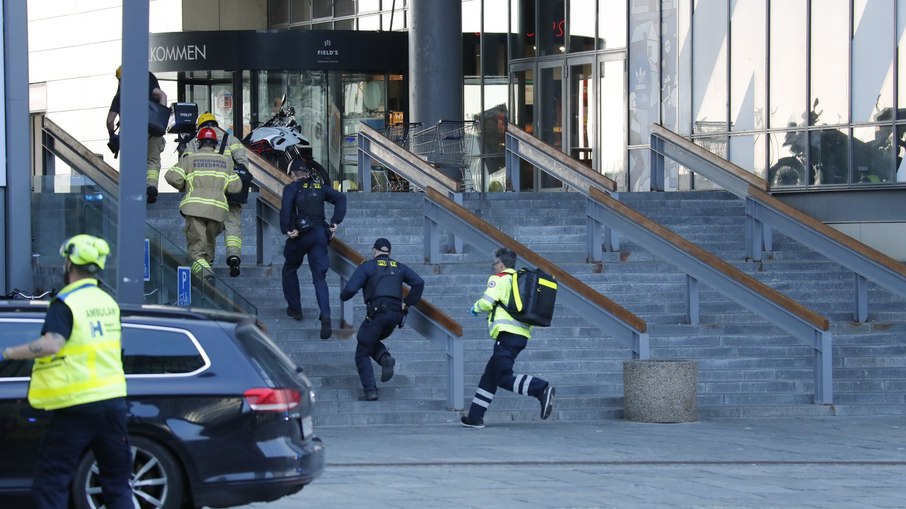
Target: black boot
[233, 262]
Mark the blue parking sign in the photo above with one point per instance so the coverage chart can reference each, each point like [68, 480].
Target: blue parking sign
[183, 286]
[147, 260]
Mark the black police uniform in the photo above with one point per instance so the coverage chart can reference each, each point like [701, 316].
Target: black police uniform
[382, 279]
[303, 200]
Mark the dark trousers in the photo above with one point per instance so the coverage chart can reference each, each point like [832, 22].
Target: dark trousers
[499, 373]
[370, 345]
[313, 244]
[100, 426]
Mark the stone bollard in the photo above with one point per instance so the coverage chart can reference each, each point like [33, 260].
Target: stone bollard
[660, 390]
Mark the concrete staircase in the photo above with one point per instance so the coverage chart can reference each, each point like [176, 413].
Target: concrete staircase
[746, 366]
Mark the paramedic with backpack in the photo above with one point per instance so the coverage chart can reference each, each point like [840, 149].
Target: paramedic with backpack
[510, 337]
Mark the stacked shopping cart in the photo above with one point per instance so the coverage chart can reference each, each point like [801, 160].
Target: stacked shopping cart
[447, 144]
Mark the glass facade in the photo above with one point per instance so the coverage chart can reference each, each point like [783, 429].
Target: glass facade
[804, 93]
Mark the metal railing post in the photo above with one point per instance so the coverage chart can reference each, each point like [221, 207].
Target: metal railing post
[824, 387]
[455, 374]
[693, 313]
[861, 302]
[658, 179]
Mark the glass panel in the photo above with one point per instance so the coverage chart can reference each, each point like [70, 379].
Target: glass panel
[344, 24]
[747, 152]
[900, 153]
[787, 151]
[873, 156]
[343, 7]
[581, 25]
[550, 27]
[872, 58]
[639, 170]
[277, 12]
[747, 60]
[581, 115]
[522, 17]
[524, 116]
[322, 8]
[787, 87]
[370, 22]
[394, 20]
[550, 101]
[300, 11]
[612, 87]
[495, 17]
[829, 156]
[643, 70]
[369, 5]
[612, 24]
[13, 333]
[830, 62]
[669, 75]
[901, 58]
[709, 66]
[471, 17]
[246, 104]
[322, 26]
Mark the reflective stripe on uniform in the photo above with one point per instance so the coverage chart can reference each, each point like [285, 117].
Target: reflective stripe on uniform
[522, 383]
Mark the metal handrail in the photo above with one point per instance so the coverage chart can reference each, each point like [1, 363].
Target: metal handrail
[764, 212]
[521, 145]
[582, 299]
[61, 144]
[702, 266]
[424, 318]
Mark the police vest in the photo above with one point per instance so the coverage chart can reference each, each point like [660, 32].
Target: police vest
[309, 202]
[387, 280]
[89, 367]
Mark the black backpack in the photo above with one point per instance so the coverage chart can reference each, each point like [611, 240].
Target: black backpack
[532, 297]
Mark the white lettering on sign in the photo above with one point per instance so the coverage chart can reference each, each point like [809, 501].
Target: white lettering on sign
[173, 53]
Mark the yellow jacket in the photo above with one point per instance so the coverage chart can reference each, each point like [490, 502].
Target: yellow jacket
[204, 177]
[498, 290]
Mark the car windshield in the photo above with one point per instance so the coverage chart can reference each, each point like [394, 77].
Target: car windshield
[268, 359]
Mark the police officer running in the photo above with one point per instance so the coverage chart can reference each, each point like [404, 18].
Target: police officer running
[231, 147]
[382, 278]
[78, 376]
[302, 219]
[510, 338]
[204, 177]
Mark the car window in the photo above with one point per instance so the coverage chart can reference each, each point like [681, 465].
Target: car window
[16, 332]
[265, 356]
[158, 350]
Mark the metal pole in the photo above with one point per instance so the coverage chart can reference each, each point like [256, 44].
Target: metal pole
[134, 92]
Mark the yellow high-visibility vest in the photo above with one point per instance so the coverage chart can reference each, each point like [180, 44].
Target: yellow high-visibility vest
[89, 367]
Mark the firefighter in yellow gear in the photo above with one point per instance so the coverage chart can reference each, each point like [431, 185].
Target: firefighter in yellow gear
[204, 176]
[232, 224]
[78, 375]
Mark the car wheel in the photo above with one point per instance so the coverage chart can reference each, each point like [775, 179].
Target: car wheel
[156, 479]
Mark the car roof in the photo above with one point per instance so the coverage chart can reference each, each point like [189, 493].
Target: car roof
[138, 311]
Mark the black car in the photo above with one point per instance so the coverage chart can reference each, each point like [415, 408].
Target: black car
[219, 416]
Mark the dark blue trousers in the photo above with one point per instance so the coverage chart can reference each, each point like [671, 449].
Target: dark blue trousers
[313, 244]
[370, 345]
[100, 426]
[499, 373]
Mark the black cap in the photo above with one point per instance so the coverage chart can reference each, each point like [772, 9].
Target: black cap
[298, 165]
[382, 245]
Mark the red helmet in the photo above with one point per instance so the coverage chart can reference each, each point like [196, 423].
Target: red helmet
[207, 134]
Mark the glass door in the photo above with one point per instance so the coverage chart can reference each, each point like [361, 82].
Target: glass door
[580, 114]
[550, 116]
[611, 147]
[522, 99]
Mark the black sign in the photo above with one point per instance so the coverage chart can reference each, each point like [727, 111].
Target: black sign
[280, 50]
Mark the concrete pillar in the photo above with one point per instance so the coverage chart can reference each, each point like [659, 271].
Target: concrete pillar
[435, 63]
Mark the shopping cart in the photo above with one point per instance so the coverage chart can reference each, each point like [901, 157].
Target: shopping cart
[447, 144]
[399, 133]
[384, 179]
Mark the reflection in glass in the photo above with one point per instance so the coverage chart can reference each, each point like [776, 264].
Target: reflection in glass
[828, 157]
[747, 152]
[300, 10]
[787, 159]
[644, 62]
[581, 117]
[581, 25]
[522, 30]
[551, 27]
[900, 153]
[277, 12]
[873, 155]
[747, 60]
[613, 122]
[787, 87]
[709, 68]
[550, 106]
[829, 62]
[872, 58]
[612, 24]
[639, 170]
[901, 57]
